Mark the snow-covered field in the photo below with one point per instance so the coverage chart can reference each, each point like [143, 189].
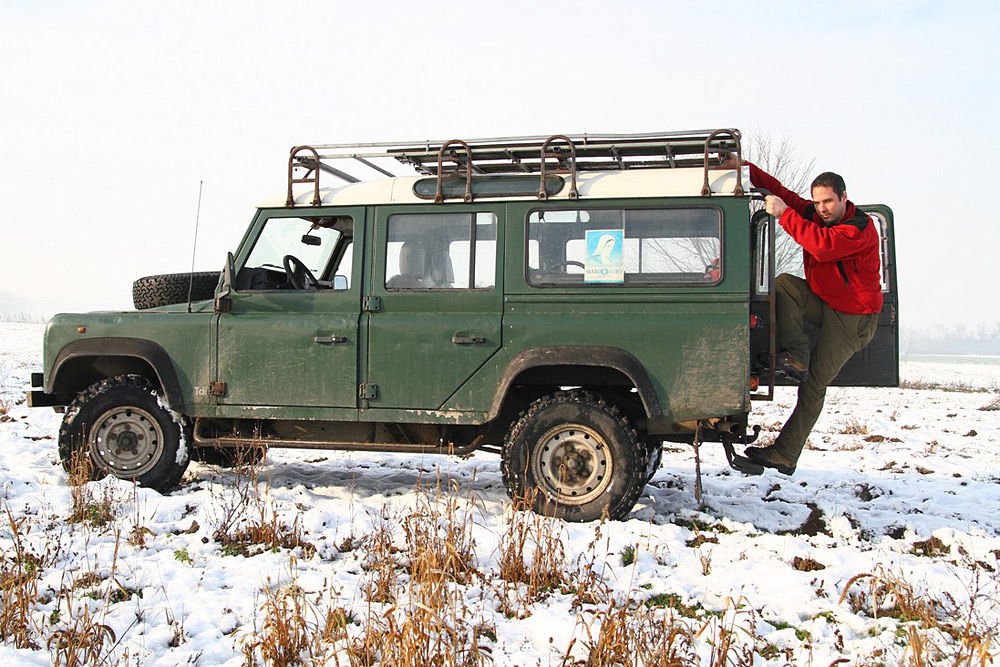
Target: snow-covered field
[899, 484]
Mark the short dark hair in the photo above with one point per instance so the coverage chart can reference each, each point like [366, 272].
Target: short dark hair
[828, 179]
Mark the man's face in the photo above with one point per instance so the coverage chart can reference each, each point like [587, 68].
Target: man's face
[829, 206]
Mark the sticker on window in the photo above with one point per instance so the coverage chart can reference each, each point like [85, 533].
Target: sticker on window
[604, 256]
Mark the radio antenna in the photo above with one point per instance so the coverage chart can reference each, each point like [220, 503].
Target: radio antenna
[194, 249]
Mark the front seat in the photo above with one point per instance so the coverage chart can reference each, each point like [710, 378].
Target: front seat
[439, 270]
[412, 264]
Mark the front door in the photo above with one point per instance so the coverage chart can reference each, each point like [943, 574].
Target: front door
[433, 302]
[291, 337]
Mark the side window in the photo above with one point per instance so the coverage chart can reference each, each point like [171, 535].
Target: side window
[787, 256]
[439, 251]
[679, 246]
[883, 273]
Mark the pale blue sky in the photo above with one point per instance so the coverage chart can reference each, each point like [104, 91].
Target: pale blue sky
[111, 113]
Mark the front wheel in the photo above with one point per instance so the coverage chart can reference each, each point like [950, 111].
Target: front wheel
[122, 428]
[575, 457]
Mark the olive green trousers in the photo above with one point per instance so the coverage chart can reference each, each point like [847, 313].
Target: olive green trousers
[839, 336]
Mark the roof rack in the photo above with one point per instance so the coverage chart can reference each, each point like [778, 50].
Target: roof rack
[542, 155]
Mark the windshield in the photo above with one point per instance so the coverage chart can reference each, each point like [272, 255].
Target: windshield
[284, 236]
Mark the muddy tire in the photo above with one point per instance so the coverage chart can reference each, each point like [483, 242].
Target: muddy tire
[654, 457]
[575, 456]
[123, 429]
[170, 288]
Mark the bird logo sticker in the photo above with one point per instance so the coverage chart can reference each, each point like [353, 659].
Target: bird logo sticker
[604, 256]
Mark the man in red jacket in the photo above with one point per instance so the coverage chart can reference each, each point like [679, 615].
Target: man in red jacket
[841, 296]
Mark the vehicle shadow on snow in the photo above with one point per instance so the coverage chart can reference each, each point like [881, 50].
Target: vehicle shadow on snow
[826, 501]
[366, 474]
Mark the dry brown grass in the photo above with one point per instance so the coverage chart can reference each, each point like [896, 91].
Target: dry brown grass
[439, 540]
[19, 577]
[628, 634]
[959, 387]
[586, 579]
[81, 638]
[854, 426]
[532, 557]
[429, 621]
[936, 629]
[86, 507]
[287, 637]
[383, 561]
[992, 406]
[245, 521]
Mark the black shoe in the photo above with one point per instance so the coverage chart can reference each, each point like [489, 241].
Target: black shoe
[769, 457]
[791, 368]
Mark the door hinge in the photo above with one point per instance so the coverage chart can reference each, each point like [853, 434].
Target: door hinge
[373, 304]
[217, 389]
[368, 391]
[223, 303]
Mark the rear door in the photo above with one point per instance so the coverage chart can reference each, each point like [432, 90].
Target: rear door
[433, 302]
[877, 365]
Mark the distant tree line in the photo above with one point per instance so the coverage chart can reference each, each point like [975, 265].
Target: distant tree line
[982, 338]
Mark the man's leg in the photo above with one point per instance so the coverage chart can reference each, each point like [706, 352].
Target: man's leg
[840, 336]
[795, 304]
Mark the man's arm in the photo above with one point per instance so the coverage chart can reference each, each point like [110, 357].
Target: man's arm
[827, 244]
[764, 180]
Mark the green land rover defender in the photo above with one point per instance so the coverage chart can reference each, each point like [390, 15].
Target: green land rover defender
[570, 302]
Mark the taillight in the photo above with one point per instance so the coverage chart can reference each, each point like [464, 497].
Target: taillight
[754, 321]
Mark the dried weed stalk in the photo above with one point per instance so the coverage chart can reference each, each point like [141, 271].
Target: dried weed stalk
[86, 508]
[19, 577]
[532, 553]
[80, 639]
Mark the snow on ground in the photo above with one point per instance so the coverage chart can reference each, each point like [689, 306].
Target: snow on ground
[900, 483]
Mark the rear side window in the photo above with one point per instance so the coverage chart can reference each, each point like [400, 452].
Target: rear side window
[668, 246]
[435, 251]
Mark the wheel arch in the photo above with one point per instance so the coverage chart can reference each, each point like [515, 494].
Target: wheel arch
[81, 363]
[581, 357]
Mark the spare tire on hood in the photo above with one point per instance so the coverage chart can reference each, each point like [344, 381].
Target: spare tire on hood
[170, 288]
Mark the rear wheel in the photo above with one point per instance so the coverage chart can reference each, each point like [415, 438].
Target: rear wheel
[574, 456]
[119, 426]
[654, 456]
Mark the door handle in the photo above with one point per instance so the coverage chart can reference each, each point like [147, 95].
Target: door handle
[329, 340]
[467, 340]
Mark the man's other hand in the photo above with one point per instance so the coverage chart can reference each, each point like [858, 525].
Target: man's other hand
[775, 205]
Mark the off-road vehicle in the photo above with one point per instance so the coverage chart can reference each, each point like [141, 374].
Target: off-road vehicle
[569, 301]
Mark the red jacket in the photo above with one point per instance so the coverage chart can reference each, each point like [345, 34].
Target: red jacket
[841, 259]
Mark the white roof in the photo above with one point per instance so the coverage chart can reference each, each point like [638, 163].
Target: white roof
[679, 182]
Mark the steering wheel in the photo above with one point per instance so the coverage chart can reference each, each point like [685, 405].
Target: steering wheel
[568, 262]
[298, 274]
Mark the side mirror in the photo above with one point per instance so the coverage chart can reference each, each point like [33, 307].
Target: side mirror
[223, 298]
[340, 282]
